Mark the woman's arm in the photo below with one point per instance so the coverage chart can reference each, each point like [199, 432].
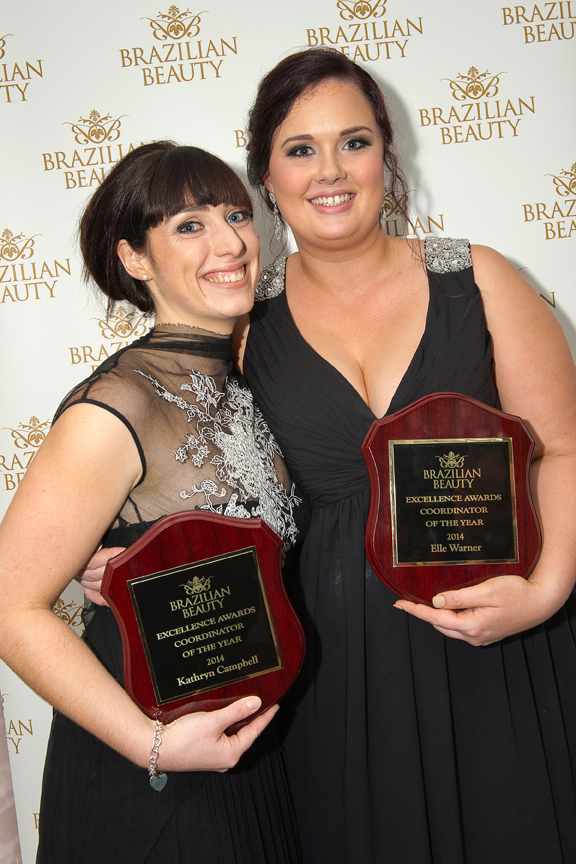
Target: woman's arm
[77, 483]
[536, 380]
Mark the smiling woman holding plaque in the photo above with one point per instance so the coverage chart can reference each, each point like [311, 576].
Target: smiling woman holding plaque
[164, 425]
[410, 742]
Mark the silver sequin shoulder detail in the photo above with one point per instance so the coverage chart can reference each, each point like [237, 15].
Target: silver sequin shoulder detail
[447, 255]
[271, 282]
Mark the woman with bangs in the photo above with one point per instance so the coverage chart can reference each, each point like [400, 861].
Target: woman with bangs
[415, 735]
[149, 433]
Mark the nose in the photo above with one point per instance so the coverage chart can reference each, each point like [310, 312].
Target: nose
[329, 168]
[226, 241]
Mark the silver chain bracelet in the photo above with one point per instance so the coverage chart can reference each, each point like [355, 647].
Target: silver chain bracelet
[158, 779]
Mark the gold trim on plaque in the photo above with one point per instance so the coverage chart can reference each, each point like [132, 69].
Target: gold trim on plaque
[392, 490]
[188, 567]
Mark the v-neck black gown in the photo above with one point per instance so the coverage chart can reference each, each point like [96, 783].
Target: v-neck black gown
[404, 746]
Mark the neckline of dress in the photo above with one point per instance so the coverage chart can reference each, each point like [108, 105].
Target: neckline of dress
[419, 348]
[185, 339]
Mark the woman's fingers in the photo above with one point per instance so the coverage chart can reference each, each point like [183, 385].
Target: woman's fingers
[484, 613]
[198, 741]
[91, 577]
[489, 593]
[245, 737]
[93, 594]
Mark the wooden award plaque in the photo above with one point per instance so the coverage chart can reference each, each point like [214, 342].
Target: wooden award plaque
[450, 496]
[203, 615]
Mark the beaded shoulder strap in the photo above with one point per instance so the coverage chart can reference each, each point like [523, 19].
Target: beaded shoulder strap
[271, 281]
[447, 255]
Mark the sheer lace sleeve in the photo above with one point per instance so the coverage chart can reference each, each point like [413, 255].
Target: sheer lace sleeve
[203, 441]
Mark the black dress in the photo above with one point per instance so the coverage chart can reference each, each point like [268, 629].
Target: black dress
[203, 444]
[406, 747]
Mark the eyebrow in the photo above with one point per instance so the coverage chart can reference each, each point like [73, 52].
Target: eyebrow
[192, 208]
[351, 131]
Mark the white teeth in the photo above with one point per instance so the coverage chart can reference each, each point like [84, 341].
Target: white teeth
[221, 278]
[332, 201]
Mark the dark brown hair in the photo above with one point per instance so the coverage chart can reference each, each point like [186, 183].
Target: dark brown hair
[280, 89]
[150, 184]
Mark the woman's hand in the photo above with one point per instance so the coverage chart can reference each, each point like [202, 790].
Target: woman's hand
[198, 742]
[489, 612]
[90, 578]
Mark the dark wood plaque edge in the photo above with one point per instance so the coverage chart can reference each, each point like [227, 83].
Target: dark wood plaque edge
[224, 534]
[432, 579]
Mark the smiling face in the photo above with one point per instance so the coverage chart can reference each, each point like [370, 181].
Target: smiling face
[202, 266]
[326, 168]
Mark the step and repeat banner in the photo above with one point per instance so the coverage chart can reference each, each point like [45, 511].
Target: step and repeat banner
[481, 97]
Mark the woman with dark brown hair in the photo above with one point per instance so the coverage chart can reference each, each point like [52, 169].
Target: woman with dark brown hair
[153, 431]
[446, 735]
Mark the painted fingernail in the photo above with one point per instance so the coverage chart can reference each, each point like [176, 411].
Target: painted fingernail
[438, 602]
[396, 606]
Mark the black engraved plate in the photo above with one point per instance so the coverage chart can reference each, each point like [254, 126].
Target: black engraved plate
[205, 624]
[452, 501]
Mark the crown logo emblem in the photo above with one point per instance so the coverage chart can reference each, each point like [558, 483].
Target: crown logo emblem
[3, 43]
[393, 207]
[122, 324]
[29, 434]
[13, 247]
[96, 129]
[362, 9]
[70, 613]
[197, 585]
[175, 24]
[451, 460]
[565, 182]
[474, 85]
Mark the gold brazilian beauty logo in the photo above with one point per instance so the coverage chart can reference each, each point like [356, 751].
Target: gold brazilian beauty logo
[120, 329]
[177, 56]
[361, 10]
[16, 730]
[558, 216]
[364, 34]
[200, 598]
[452, 474]
[15, 76]
[544, 22]
[96, 148]
[22, 276]
[476, 114]
[25, 440]
[70, 613]
[394, 224]
[197, 585]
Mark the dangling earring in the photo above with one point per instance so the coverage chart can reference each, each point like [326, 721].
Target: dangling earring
[383, 216]
[278, 227]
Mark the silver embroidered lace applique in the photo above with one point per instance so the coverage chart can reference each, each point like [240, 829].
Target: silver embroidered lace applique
[271, 281]
[447, 255]
[244, 458]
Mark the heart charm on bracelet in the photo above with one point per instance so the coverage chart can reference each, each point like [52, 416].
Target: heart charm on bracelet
[158, 782]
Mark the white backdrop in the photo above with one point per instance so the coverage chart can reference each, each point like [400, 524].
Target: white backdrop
[481, 96]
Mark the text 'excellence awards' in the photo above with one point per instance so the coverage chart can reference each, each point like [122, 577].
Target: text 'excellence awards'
[203, 615]
[450, 496]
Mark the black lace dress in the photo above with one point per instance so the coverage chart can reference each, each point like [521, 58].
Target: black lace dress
[203, 444]
[406, 747]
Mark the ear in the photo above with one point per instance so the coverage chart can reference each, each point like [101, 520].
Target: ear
[135, 263]
[268, 182]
